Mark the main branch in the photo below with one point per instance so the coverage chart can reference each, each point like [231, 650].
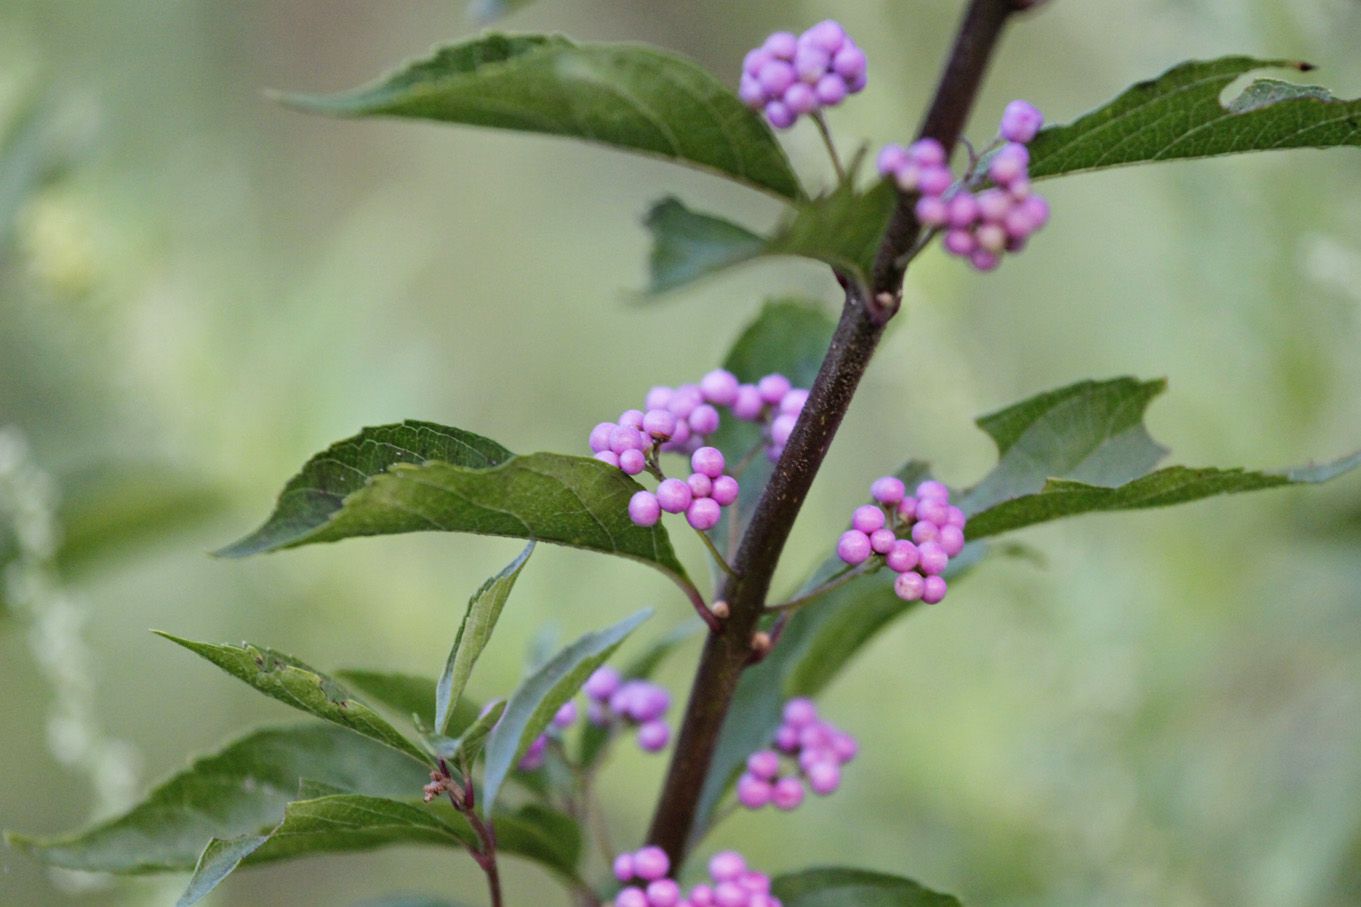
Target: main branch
[862, 323]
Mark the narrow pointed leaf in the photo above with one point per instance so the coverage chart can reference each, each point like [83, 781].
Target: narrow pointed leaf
[290, 681]
[1180, 115]
[241, 790]
[349, 822]
[535, 702]
[841, 887]
[484, 608]
[407, 695]
[414, 477]
[468, 745]
[217, 861]
[543, 835]
[841, 229]
[1092, 431]
[628, 96]
[1174, 485]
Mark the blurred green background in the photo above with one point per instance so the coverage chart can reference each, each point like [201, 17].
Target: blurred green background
[199, 289]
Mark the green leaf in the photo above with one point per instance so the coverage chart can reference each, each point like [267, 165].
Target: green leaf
[538, 698]
[842, 229]
[1092, 431]
[1179, 115]
[628, 96]
[1085, 448]
[348, 822]
[407, 695]
[840, 887]
[1173, 485]
[218, 860]
[415, 477]
[543, 835]
[484, 608]
[241, 790]
[295, 683]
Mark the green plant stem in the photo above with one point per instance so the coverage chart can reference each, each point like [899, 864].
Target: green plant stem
[835, 581]
[821, 122]
[728, 650]
[713, 550]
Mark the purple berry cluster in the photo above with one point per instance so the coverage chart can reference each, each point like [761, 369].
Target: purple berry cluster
[533, 758]
[679, 420]
[817, 751]
[915, 535]
[788, 76]
[980, 226]
[636, 703]
[733, 883]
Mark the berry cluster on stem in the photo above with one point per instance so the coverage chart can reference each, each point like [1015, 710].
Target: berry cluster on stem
[914, 535]
[789, 76]
[732, 883]
[635, 703]
[980, 224]
[817, 750]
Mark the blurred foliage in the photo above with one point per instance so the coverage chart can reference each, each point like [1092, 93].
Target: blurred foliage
[1163, 712]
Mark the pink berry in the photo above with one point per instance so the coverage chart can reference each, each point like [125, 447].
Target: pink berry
[600, 436]
[908, 176]
[983, 260]
[888, 490]
[781, 427]
[824, 777]
[644, 509]
[811, 63]
[787, 794]
[882, 540]
[963, 209]
[800, 712]
[960, 242]
[703, 514]
[649, 702]
[1038, 210]
[653, 736]
[934, 180]
[750, 92]
[730, 894]
[658, 397]
[923, 532]
[831, 90]
[651, 863]
[709, 461]
[931, 211]
[868, 518]
[660, 424]
[793, 402]
[1020, 122]
[663, 893]
[927, 152]
[726, 866]
[993, 205]
[850, 62]
[781, 44]
[1009, 164]
[623, 867]
[725, 490]
[775, 77]
[909, 586]
[933, 490]
[779, 115]
[683, 401]
[632, 462]
[814, 736]
[565, 716]
[845, 747]
[719, 387]
[608, 456]
[601, 685]
[933, 590]
[907, 508]
[892, 158]
[701, 486]
[787, 738]
[853, 547]
[933, 558]
[991, 238]
[933, 510]
[827, 34]
[673, 495]
[623, 438]
[951, 540]
[701, 896]
[800, 99]
[755, 882]
[748, 406]
[703, 420]
[631, 418]
[954, 516]
[903, 556]
[773, 388]
[764, 764]
[753, 792]
[754, 60]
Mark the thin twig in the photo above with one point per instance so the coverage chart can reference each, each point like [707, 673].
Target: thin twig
[821, 122]
[835, 581]
[714, 552]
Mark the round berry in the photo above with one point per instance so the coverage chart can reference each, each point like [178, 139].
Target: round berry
[960, 242]
[992, 238]
[673, 495]
[927, 152]
[623, 438]
[755, 882]
[701, 486]
[781, 427]
[1020, 122]
[632, 462]
[565, 716]
[892, 158]
[630, 897]
[831, 90]
[882, 540]
[600, 436]
[853, 547]
[644, 509]
[653, 736]
[602, 683]
[814, 736]
[800, 712]
[708, 461]
[781, 44]
[934, 180]
[1009, 164]
[993, 205]
[779, 115]
[909, 586]
[868, 518]
[933, 510]
[650, 702]
[787, 794]
[719, 387]
[933, 558]
[623, 867]
[703, 514]
[793, 402]
[932, 211]
[725, 490]
[651, 863]
[907, 508]
[954, 516]
[850, 62]
[663, 893]
[811, 63]
[750, 92]
[608, 456]
[701, 896]
[704, 420]
[787, 738]
[1038, 210]
[827, 34]
[775, 76]
[824, 777]
[631, 418]
[845, 747]
[902, 557]
[983, 260]
[923, 532]
[908, 176]
[727, 866]
[753, 792]
[888, 490]
[933, 490]
[659, 424]
[951, 540]
[683, 401]
[730, 894]
[657, 397]
[933, 590]
[773, 388]
[748, 405]
[764, 764]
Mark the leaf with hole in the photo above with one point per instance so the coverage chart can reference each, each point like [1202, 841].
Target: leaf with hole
[627, 96]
